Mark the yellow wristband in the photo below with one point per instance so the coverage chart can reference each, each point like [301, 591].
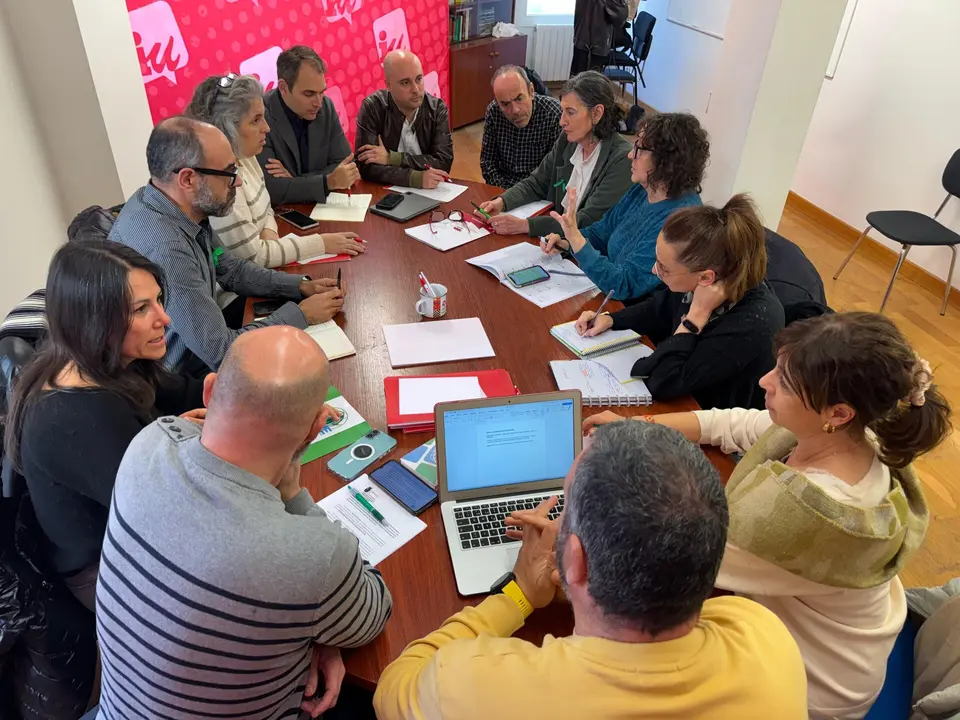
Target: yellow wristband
[513, 591]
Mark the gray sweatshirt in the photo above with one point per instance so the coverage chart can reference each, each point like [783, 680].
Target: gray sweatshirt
[212, 590]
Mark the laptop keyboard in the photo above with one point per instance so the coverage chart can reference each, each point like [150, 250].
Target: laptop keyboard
[482, 525]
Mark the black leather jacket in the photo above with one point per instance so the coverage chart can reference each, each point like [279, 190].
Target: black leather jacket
[594, 23]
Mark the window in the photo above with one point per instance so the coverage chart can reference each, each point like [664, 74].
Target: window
[544, 12]
[550, 7]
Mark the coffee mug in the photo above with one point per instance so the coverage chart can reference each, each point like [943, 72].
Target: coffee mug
[433, 307]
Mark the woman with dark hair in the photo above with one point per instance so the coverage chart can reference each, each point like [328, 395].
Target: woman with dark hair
[590, 156]
[825, 507]
[714, 320]
[94, 384]
[667, 164]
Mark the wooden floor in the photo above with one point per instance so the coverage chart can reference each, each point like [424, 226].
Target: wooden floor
[915, 310]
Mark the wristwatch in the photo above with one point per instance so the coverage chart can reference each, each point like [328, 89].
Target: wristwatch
[689, 325]
[507, 585]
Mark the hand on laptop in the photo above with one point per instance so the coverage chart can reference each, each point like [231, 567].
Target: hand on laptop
[536, 567]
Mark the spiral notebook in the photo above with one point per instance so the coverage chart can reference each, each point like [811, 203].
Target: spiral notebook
[586, 347]
[598, 385]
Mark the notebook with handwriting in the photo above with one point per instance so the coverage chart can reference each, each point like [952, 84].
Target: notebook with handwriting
[586, 347]
[597, 384]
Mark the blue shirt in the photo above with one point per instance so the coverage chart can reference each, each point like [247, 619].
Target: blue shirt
[622, 246]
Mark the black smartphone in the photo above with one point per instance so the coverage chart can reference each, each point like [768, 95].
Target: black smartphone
[528, 276]
[298, 219]
[404, 487]
[390, 201]
[267, 307]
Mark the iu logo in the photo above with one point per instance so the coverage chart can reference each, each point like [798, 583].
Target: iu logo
[337, 10]
[160, 46]
[336, 97]
[263, 66]
[390, 32]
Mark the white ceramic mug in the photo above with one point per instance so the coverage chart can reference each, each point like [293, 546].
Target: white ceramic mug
[433, 307]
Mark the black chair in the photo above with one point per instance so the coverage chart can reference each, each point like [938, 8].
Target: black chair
[627, 67]
[911, 228]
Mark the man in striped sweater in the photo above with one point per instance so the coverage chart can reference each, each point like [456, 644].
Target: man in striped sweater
[224, 591]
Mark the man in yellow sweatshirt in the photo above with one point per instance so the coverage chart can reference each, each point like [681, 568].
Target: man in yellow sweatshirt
[637, 551]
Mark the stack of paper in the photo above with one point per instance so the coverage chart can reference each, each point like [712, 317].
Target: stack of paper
[444, 192]
[530, 209]
[447, 235]
[332, 340]
[342, 208]
[438, 341]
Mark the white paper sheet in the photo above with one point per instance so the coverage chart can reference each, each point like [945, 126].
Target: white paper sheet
[621, 362]
[332, 340]
[418, 396]
[436, 341]
[378, 540]
[444, 192]
[449, 234]
[341, 208]
[597, 384]
[528, 210]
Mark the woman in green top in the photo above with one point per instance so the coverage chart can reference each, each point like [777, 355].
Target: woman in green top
[590, 155]
[825, 506]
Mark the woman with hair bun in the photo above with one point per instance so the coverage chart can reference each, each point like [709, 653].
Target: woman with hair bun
[825, 506]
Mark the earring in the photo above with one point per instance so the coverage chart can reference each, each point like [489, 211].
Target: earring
[829, 429]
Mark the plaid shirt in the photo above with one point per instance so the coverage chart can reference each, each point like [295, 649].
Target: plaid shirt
[509, 154]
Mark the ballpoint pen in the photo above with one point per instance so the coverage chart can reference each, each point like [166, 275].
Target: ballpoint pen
[339, 273]
[367, 505]
[592, 320]
[480, 210]
[425, 284]
[446, 179]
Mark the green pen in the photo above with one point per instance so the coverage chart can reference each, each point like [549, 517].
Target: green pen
[561, 183]
[480, 210]
[368, 506]
[215, 255]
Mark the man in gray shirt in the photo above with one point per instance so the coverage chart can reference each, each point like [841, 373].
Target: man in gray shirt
[193, 175]
[224, 591]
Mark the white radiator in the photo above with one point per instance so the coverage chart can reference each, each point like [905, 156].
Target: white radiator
[553, 52]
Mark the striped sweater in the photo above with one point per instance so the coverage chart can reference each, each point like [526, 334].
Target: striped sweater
[239, 232]
[212, 591]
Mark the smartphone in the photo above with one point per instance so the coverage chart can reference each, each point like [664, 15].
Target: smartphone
[353, 460]
[298, 219]
[528, 276]
[404, 487]
[390, 201]
[267, 307]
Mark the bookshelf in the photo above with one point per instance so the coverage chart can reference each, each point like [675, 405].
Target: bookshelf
[471, 19]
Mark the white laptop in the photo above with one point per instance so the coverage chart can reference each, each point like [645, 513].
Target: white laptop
[494, 456]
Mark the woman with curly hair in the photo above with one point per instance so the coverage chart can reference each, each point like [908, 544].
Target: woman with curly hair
[668, 160]
[589, 156]
[714, 320]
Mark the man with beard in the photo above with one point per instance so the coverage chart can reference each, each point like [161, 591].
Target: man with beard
[224, 591]
[636, 552]
[193, 176]
[403, 133]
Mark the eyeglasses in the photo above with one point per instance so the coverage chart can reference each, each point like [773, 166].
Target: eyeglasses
[637, 147]
[223, 83]
[454, 216]
[232, 174]
[661, 272]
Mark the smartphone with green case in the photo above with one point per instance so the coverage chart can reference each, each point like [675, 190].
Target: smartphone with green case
[354, 459]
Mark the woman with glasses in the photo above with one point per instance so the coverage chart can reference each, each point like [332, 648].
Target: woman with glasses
[234, 103]
[668, 160]
[714, 321]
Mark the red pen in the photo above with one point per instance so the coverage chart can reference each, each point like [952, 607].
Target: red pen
[446, 179]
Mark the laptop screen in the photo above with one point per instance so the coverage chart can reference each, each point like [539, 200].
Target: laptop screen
[508, 444]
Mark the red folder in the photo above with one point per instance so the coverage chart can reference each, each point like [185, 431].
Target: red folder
[494, 383]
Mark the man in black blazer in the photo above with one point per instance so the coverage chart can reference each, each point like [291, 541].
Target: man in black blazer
[306, 155]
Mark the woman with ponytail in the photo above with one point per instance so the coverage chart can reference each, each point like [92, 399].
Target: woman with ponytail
[825, 506]
[714, 319]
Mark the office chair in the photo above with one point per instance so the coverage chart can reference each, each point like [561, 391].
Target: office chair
[618, 61]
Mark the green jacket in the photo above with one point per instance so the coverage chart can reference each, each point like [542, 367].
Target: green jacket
[609, 182]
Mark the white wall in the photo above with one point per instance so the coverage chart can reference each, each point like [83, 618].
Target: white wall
[886, 125]
[34, 223]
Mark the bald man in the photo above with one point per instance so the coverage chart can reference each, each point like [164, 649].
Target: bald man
[403, 133]
[224, 591]
[193, 176]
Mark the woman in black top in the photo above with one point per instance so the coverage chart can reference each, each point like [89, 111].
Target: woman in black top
[714, 321]
[93, 385]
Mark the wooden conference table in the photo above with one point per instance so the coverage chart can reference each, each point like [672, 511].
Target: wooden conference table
[382, 290]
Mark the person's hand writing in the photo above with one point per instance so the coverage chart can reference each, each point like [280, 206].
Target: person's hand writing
[509, 225]
[568, 221]
[493, 207]
[346, 243]
[594, 421]
[344, 176]
[322, 306]
[552, 244]
[276, 169]
[196, 416]
[376, 154]
[601, 323]
[326, 660]
[536, 567]
[432, 178]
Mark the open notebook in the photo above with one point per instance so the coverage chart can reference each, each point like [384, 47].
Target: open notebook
[332, 340]
[598, 385]
[587, 347]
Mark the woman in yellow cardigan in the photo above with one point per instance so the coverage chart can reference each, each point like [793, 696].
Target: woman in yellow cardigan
[825, 507]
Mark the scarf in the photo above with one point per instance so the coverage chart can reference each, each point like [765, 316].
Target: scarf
[780, 516]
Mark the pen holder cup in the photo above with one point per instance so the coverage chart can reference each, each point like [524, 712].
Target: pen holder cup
[432, 307]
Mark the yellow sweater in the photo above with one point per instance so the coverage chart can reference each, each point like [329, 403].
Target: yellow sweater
[739, 662]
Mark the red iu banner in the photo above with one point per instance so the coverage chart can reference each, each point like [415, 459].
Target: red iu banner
[180, 42]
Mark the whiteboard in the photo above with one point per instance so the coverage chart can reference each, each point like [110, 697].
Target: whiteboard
[706, 16]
